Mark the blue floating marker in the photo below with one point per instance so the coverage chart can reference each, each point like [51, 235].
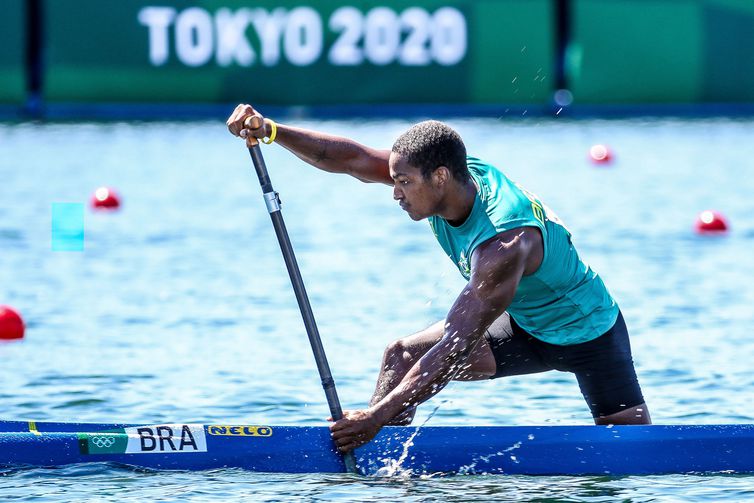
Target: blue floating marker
[67, 227]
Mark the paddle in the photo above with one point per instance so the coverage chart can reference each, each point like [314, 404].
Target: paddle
[272, 201]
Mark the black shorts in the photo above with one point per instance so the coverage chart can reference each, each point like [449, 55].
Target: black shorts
[603, 366]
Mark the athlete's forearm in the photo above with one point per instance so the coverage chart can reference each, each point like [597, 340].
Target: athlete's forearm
[335, 154]
[466, 322]
[425, 379]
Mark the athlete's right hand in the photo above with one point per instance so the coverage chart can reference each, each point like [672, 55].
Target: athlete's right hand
[237, 122]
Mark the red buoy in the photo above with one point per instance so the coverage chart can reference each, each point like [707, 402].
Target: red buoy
[710, 221]
[105, 198]
[11, 324]
[600, 154]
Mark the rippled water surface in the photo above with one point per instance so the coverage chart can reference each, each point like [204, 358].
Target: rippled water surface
[180, 310]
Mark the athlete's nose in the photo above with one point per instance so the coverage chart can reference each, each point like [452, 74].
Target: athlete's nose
[397, 193]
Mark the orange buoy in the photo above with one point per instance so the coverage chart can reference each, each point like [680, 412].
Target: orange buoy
[105, 198]
[600, 154]
[11, 324]
[711, 222]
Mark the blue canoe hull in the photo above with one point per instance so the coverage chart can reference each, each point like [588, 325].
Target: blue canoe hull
[531, 450]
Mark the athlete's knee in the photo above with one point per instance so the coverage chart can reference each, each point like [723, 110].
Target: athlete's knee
[398, 352]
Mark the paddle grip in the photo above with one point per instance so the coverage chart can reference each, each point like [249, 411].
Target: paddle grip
[252, 122]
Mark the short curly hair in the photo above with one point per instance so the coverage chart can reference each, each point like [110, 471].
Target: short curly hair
[431, 144]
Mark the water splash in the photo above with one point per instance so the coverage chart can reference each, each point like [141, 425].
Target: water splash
[393, 468]
[470, 469]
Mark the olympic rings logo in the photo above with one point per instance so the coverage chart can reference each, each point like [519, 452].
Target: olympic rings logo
[103, 442]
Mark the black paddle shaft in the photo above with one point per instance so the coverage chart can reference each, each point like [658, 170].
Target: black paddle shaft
[273, 206]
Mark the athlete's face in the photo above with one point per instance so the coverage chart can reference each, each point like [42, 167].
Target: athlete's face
[420, 197]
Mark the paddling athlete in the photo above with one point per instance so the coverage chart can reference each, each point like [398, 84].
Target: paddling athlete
[530, 305]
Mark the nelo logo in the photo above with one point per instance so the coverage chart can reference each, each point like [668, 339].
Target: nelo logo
[240, 431]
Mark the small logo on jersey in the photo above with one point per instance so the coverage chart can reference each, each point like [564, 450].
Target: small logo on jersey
[463, 266]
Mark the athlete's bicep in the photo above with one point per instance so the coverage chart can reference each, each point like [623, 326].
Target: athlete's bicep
[497, 266]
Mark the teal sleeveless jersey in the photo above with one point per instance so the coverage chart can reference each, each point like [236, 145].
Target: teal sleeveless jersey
[564, 302]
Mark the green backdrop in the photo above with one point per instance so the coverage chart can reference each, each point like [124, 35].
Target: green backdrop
[134, 55]
[662, 51]
[424, 51]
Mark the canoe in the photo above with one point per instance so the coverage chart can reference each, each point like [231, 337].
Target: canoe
[530, 450]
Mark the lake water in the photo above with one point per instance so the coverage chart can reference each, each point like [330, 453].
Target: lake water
[180, 308]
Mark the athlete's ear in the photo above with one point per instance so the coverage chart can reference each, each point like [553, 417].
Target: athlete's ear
[441, 175]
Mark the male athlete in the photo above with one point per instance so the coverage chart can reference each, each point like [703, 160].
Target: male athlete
[530, 305]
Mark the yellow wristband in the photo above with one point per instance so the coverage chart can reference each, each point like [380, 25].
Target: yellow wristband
[273, 132]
